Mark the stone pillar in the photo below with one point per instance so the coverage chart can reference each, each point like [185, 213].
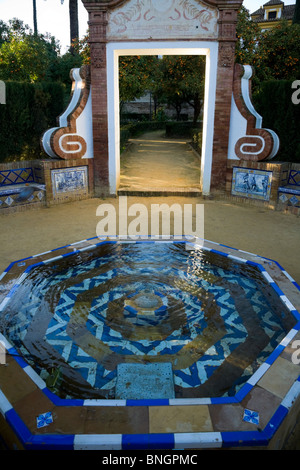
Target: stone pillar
[227, 39]
[97, 26]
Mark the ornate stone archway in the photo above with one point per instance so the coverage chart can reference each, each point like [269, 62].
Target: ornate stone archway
[192, 22]
[231, 127]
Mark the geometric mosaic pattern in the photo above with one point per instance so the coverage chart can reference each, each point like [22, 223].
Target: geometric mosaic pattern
[10, 195]
[294, 178]
[11, 200]
[16, 176]
[203, 317]
[290, 194]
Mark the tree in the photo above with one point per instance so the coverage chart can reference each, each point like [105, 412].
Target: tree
[74, 24]
[278, 54]
[273, 53]
[182, 81]
[4, 32]
[35, 28]
[25, 56]
[136, 76]
[296, 18]
[248, 34]
[74, 27]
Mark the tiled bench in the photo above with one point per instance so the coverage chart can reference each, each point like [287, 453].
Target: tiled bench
[289, 194]
[14, 182]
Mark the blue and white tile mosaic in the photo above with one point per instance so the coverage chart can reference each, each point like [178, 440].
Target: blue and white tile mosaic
[44, 420]
[175, 286]
[166, 440]
[69, 179]
[251, 416]
[255, 184]
[16, 176]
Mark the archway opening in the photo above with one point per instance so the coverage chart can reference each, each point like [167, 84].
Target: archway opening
[161, 117]
[115, 53]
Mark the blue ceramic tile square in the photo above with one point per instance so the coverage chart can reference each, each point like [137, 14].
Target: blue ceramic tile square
[44, 419]
[251, 416]
[283, 198]
[294, 200]
[9, 201]
[250, 183]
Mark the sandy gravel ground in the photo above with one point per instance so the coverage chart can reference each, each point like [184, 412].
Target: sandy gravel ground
[261, 231]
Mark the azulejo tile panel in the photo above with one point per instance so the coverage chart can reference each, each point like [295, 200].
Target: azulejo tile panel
[255, 184]
[69, 180]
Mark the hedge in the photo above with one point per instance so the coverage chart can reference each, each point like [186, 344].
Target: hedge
[274, 103]
[29, 111]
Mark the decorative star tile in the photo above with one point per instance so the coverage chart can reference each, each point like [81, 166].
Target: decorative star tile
[294, 200]
[283, 197]
[251, 416]
[9, 201]
[44, 419]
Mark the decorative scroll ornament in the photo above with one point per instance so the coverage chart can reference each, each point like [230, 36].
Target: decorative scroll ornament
[187, 15]
[248, 140]
[73, 138]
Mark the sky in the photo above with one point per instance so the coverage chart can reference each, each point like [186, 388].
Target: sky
[53, 17]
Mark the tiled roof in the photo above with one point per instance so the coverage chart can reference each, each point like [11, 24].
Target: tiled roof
[287, 12]
[273, 2]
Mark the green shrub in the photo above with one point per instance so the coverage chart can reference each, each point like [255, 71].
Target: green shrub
[197, 141]
[180, 129]
[29, 111]
[274, 103]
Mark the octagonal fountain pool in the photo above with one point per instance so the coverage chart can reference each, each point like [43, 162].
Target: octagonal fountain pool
[143, 329]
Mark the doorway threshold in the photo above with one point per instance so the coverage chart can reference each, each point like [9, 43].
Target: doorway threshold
[185, 192]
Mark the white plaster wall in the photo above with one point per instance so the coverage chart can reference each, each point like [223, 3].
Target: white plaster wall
[238, 129]
[84, 127]
[84, 123]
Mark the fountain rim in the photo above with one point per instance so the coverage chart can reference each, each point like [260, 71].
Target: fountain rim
[202, 439]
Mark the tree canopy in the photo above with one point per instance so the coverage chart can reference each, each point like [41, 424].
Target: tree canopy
[274, 53]
[29, 57]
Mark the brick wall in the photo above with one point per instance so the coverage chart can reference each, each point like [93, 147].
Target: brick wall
[97, 26]
[227, 39]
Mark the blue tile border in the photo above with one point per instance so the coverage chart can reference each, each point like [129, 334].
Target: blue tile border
[152, 441]
[147, 441]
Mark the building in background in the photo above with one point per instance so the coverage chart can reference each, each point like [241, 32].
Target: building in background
[271, 12]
